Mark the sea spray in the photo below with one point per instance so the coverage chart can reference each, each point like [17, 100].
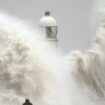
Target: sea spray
[29, 68]
[87, 70]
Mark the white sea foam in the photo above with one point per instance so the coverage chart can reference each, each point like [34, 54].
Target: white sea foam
[88, 71]
[29, 68]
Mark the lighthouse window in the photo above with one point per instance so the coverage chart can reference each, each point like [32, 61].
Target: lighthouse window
[51, 32]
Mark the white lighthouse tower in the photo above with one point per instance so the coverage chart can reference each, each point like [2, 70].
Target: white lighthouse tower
[48, 26]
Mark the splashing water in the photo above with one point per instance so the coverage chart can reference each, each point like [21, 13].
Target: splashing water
[29, 68]
[88, 71]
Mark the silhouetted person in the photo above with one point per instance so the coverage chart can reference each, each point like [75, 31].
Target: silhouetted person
[27, 102]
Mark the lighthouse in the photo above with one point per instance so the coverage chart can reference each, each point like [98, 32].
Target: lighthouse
[48, 27]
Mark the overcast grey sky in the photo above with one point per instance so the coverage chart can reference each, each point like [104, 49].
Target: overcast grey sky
[75, 18]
